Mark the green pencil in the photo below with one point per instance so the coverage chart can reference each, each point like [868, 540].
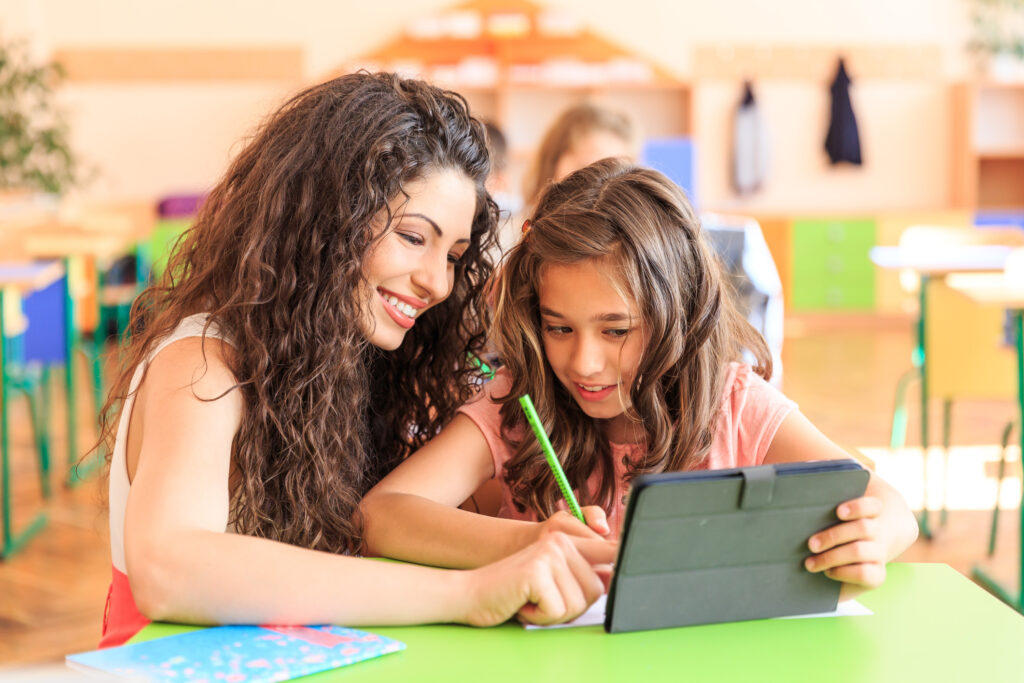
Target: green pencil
[549, 453]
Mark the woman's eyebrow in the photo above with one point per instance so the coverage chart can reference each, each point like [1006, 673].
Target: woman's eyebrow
[433, 224]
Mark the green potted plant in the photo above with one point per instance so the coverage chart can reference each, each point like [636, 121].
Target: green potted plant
[998, 37]
[35, 155]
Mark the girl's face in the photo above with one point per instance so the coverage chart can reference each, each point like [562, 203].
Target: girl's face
[592, 340]
[412, 267]
[594, 145]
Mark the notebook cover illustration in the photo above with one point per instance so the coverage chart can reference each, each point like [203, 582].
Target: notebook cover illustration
[239, 654]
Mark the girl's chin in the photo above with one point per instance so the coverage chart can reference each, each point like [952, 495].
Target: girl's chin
[599, 412]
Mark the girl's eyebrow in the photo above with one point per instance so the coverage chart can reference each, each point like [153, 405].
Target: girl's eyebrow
[602, 318]
[433, 224]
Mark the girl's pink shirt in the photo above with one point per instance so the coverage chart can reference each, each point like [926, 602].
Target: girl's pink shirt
[751, 413]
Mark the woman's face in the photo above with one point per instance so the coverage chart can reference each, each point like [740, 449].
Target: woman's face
[412, 267]
[592, 341]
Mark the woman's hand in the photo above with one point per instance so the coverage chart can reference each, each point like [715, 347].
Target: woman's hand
[548, 582]
[853, 551]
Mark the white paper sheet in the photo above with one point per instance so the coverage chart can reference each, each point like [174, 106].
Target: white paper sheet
[595, 615]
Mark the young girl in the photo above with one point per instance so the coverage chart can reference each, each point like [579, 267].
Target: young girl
[313, 328]
[612, 315]
[581, 135]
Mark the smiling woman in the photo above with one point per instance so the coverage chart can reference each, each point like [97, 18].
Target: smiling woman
[312, 329]
[412, 266]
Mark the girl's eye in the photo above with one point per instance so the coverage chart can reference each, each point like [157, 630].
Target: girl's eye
[411, 238]
[557, 329]
[454, 258]
[617, 332]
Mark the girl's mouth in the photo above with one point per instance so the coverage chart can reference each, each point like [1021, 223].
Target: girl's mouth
[595, 392]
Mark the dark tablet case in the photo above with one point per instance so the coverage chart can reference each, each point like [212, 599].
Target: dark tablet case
[726, 545]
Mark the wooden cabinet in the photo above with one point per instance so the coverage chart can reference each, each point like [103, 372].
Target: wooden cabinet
[988, 153]
[520, 64]
[776, 231]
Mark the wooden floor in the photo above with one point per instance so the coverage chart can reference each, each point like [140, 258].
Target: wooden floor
[840, 371]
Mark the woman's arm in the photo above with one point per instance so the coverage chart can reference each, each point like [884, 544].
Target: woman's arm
[873, 530]
[183, 566]
[412, 514]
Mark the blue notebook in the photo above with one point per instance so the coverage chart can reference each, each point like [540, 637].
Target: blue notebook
[239, 654]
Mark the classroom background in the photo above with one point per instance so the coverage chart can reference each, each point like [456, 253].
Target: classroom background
[875, 258]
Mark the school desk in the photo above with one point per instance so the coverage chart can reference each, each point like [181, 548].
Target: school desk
[929, 624]
[17, 280]
[991, 289]
[929, 265]
[83, 251]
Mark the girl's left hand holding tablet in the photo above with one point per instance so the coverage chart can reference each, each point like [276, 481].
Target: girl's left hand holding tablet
[853, 551]
[872, 529]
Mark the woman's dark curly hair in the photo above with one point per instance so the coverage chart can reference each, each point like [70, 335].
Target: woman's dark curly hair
[638, 224]
[275, 257]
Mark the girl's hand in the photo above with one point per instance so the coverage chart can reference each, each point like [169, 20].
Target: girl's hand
[591, 539]
[852, 551]
[548, 582]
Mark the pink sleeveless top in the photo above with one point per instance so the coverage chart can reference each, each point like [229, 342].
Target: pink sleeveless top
[122, 618]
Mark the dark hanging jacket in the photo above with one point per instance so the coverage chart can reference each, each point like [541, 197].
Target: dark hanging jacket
[843, 141]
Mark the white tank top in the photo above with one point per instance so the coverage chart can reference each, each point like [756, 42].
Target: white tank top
[191, 326]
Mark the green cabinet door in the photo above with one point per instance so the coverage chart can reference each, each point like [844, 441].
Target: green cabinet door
[830, 265]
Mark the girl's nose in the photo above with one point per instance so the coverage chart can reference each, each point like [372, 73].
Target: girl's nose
[587, 359]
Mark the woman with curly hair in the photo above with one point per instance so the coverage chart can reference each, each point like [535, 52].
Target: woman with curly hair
[612, 313]
[313, 328]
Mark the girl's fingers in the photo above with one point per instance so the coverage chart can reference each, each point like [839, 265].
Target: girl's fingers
[597, 550]
[596, 519]
[565, 522]
[866, 506]
[863, 529]
[858, 552]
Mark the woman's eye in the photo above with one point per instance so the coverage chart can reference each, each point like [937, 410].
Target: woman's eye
[556, 329]
[411, 238]
[617, 332]
[454, 258]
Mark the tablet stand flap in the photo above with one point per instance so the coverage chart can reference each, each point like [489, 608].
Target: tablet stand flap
[758, 486]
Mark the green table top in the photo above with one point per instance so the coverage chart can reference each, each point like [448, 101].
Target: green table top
[929, 624]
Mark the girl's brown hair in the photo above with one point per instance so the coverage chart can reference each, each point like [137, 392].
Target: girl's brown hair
[275, 257]
[572, 124]
[638, 222]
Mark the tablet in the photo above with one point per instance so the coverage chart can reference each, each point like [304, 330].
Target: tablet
[727, 545]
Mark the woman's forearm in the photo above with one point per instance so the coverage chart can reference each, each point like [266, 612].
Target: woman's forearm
[206, 577]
